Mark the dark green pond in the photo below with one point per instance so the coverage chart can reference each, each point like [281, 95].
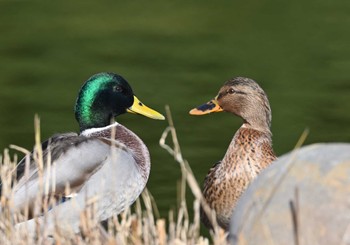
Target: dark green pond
[178, 53]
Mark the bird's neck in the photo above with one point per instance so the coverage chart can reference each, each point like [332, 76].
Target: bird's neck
[257, 125]
[100, 131]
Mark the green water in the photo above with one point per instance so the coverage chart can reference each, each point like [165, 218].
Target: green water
[178, 53]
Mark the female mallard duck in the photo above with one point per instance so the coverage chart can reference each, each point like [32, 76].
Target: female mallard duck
[249, 152]
[112, 169]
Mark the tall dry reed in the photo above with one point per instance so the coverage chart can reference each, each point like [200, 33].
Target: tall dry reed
[140, 224]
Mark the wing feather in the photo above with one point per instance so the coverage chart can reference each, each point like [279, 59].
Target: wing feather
[74, 160]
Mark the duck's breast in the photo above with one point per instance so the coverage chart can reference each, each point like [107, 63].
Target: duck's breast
[116, 184]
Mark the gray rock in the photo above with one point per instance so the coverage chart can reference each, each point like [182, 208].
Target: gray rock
[302, 198]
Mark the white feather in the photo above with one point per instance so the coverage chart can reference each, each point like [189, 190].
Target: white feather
[90, 131]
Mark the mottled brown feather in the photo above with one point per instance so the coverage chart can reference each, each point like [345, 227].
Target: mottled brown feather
[249, 152]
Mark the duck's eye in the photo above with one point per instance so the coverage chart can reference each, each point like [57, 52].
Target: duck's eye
[231, 91]
[117, 89]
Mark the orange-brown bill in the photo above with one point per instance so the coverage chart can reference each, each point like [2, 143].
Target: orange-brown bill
[209, 107]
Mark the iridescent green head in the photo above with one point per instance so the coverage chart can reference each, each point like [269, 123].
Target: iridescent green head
[105, 96]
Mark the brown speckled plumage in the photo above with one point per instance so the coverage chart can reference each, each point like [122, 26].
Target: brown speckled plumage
[249, 152]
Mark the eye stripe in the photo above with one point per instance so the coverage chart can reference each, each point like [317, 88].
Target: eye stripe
[222, 94]
[232, 91]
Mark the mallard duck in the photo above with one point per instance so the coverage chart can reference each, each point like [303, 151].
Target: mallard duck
[113, 169]
[249, 152]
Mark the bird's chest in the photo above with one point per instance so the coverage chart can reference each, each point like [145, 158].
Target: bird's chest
[242, 162]
[118, 183]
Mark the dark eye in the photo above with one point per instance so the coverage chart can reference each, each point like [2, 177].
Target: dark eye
[231, 91]
[118, 89]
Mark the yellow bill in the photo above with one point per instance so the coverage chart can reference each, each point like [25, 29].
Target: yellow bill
[209, 107]
[139, 108]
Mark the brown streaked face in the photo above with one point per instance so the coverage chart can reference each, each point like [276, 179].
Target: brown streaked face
[240, 96]
[232, 98]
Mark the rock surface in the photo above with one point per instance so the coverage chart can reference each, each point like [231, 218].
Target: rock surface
[302, 198]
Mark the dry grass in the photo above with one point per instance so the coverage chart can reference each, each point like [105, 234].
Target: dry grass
[138, 225]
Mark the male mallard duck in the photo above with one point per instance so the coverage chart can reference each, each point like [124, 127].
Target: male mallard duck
[113, 169]
[249, 152]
